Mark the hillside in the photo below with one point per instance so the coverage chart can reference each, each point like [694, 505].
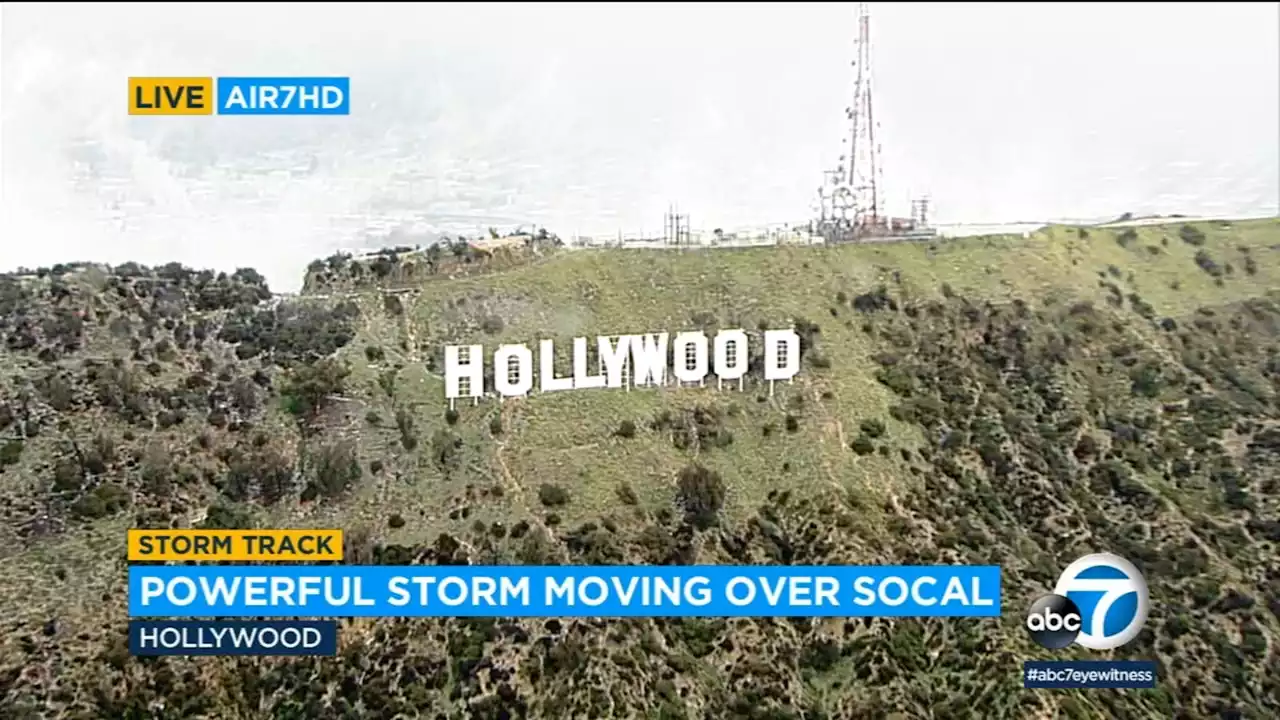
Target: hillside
[998, 400]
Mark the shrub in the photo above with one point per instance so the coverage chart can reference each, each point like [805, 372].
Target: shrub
[874, 301]
[224, 516]
[552, 495]
[897, 379]
[820, 655]
[382, 266]
[701, 493]
[68, 477]
[387, 381]
[293, 332]
[334, 468]
[1087, 448]
[57, 391]
[626, 430]
[1142, 307]
[873, 428]
[157, 470]
[1191, 235]
[99, 454]
[243, 393]
[307, 387]
[862, 445]
[492, 325]
[10, 452]
[1145, 380]
[446, 449]
[404, 422]
[627, 494]
[1208, 264]
[105, 500]
[264, 471]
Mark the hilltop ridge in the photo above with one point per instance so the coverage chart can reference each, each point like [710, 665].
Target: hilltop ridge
[405, 266]
[1004, 400]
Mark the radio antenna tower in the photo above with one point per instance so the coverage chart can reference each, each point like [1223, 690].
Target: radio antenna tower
[863, 152]
[850, 197]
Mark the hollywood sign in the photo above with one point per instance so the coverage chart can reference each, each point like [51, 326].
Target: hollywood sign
[622, 361]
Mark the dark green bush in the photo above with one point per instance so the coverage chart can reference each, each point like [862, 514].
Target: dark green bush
[307, 387]
[103, 501]
[224, 516]
[334, 468]
[492, 325]
[1191, 235]
[552, 495]
[862, 445]
[408, 435]
[10, 452]
[701, 492]
[873, 428]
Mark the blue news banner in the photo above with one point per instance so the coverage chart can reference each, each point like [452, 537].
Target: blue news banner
[336, 591]
[516, 591]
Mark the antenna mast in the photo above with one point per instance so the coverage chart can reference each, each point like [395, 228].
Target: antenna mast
[850, 195]
[864, 153]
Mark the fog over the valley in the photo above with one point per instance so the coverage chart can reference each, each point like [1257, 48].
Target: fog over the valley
[591, 118]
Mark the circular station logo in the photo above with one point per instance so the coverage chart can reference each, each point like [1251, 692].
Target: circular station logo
[1100, 602]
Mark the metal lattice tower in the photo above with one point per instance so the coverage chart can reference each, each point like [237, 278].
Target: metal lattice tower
[862, 157]
[849, 196]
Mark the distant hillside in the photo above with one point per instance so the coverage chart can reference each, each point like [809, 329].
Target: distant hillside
[995, 400]
[411, 266]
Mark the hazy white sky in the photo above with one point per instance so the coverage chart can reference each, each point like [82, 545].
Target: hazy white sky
[593, 117]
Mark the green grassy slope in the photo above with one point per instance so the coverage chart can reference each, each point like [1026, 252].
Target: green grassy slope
[1007, 400]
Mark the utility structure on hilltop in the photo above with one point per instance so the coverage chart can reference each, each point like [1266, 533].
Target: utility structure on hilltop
[675, 232]
[851, 196]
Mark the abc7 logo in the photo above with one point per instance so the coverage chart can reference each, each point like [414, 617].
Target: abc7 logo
[1054, 621]
[1115, 611]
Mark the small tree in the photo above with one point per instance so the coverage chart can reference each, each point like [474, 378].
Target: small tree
[307, 387]
[701, 492]
[334, 468]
